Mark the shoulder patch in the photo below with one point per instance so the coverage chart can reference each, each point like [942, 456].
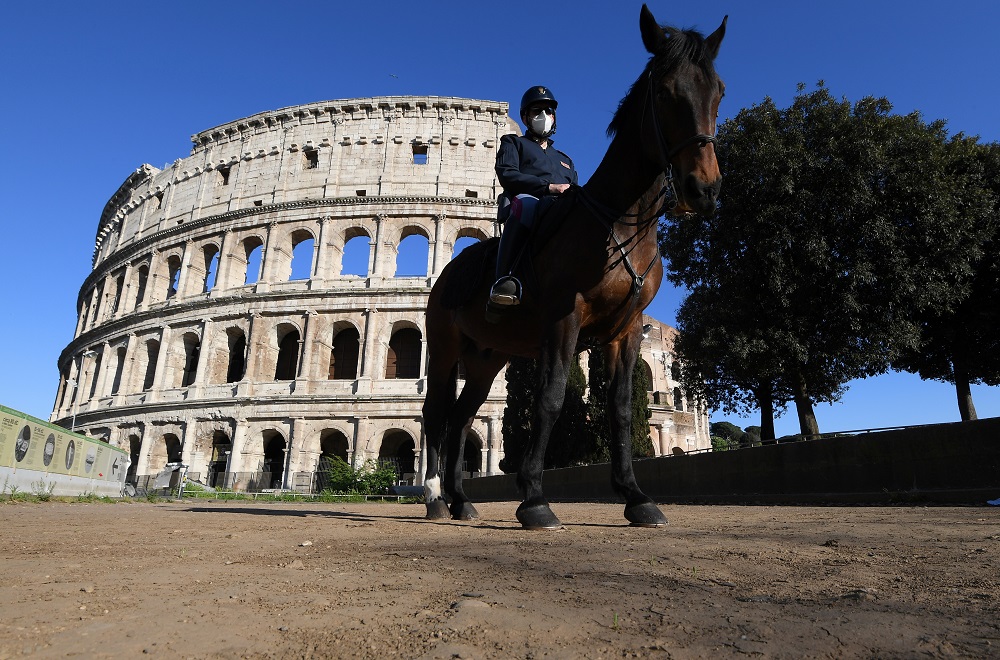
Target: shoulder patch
[566, 165]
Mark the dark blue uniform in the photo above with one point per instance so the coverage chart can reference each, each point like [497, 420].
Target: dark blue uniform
[524, 168]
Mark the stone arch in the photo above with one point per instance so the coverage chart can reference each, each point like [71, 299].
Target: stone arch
[345, 352]
[413, 252]
[141, 280]
[357, 254]
[403, 357]
[272, 472]
[173, 265]
[472, 453]
[288, 341]
[134, 449]
[649, 374]
[206, 269]
[119, 354]
[218, 463]
[249, 259]
[183, 361]
[168, 449]
[302, 263]
[333, 444]
[236, 365]
[398, 448]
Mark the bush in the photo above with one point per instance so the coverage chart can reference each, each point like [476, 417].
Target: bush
[370, 478]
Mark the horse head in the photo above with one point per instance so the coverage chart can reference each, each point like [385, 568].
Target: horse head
[683, 94]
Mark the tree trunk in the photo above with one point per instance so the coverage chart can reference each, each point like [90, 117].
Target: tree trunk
[808, 426]
[766, 405]
[965, 405]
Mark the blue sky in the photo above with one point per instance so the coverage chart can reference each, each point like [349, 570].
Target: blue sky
[93, 90]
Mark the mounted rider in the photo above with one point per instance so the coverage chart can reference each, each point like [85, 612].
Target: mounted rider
[529, 169]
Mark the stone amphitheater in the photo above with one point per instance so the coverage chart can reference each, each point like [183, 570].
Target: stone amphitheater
[250, 309]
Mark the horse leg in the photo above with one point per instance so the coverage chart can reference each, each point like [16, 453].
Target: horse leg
[438, 403]
[553, 370]
[640, 510]
[480, 371]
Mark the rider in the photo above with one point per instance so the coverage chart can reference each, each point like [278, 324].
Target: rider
[529, 168]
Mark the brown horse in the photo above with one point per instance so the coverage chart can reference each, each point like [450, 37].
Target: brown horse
[590, 277]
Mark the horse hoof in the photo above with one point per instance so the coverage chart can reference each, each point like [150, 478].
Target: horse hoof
[464, 511]
[537, 516]
[437, 510]
[646, 514]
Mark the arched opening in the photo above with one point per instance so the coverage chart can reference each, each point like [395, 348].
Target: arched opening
[272, 471]
[192, 351]
[95, 376]
[398, 450]
[211, 255]
[168, 450]
[288, 354]
[411, 258]
[152, 352]
[173, 275]
[357, 251]
[678, 399]
[649, 375]
[134, 448]
[222, 445]
[472, 458]
[403, 360]
[119, 287]
[236, 368]
[119, 369]
[334, 448]
[302, 255]
[462, 243]
[344, 356]
[253, 249]
[142, 276]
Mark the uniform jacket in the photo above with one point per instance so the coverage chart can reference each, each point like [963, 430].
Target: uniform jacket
[523, 167]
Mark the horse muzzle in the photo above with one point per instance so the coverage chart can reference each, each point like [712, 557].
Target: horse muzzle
[698, 196]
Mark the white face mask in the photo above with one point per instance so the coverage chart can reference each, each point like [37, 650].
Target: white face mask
[541, 124]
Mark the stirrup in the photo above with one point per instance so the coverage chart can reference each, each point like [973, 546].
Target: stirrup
[506, 291]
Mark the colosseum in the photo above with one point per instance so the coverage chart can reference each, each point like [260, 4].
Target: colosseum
[259, 304]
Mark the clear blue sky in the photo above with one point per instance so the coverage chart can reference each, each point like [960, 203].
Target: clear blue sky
[93, 90]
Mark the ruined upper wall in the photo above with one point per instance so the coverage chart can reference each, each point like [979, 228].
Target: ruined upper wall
[397, 146]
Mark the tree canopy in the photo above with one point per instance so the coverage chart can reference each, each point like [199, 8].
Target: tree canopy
[840, 224]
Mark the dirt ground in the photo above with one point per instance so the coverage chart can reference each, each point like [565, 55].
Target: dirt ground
[239, 580]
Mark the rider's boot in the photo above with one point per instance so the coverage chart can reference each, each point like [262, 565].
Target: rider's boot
[506, 290]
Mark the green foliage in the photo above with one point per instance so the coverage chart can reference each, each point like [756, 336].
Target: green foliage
[516, 428]
[838, 224]
[642, 445]
[720, 443]
[370, 478]
[597, 408]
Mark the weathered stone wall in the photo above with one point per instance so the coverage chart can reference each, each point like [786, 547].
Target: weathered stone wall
[194, 338]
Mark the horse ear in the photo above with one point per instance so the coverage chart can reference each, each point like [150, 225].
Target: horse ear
[715, 39]
[653, 37]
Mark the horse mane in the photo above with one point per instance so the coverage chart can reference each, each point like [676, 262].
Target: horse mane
[683, 46]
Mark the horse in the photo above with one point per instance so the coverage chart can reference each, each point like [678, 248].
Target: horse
[590, 279]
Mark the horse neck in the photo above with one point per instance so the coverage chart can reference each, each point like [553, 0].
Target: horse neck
[624, 175]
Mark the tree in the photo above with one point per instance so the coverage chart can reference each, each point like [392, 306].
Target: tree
[961, 345]
[837, 223]
[725, 436]
[642, 445]
[516, 427]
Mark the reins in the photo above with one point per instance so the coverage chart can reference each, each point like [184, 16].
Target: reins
[608, 217]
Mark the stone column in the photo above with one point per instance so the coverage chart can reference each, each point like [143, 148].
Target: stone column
[495, 441]
[142, 467]
[267, 259]
[362, 433]
[126, 294]
[296, 444]
[101, 375]
[323, 253]
[126, 386]
[161, 364]
[224, 270]
[183, 280]
[306, 352]
[368, 351]
[250, 367]
[240, 435]
[204, 358]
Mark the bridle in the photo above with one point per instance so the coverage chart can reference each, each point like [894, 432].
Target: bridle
[609, 217]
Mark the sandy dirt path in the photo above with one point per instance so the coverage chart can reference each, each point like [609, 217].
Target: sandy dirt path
[239, 580]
